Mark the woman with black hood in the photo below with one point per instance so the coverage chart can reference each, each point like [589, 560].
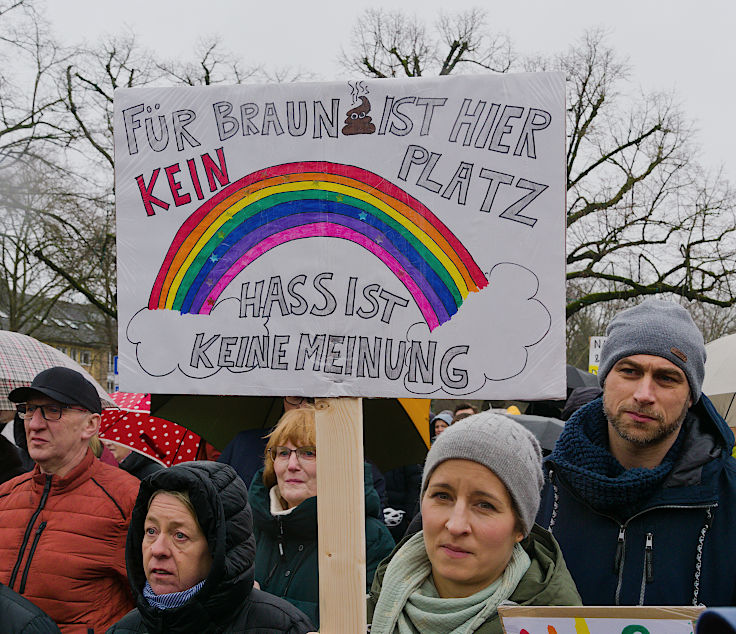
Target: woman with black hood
[190, 555]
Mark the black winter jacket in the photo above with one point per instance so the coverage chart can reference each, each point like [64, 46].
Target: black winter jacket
[20, 616]
[677, 548]
[139, 465]
[287, 555]
[11, 464]
[227, 602]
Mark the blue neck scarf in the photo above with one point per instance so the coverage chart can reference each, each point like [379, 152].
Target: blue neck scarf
[582, 457]
[168, 601]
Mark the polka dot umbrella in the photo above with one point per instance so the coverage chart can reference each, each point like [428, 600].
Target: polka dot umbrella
[133, 426]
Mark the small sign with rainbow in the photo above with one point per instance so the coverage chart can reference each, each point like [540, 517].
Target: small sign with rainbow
[372, 238]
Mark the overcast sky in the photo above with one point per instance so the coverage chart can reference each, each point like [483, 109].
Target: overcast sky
[679, 45]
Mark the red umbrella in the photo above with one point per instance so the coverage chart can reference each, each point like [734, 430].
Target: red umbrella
[133, 426]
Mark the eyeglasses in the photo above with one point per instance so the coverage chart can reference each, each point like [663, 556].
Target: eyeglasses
[48, 412]
[283, 454]
[296, 401]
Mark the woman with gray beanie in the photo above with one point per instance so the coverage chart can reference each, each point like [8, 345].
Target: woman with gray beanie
[479, 545]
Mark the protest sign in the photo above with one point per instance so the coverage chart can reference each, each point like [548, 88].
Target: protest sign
[599, 620]
[396, 238]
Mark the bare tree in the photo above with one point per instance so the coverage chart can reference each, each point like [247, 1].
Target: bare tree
[211, 65]
[29, 103]
[28, 291]
[51, 97]
[642, 218]
[393, 44]
[88, 87]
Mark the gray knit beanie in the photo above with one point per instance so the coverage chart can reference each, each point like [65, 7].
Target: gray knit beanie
[505, 447]
[660, 328]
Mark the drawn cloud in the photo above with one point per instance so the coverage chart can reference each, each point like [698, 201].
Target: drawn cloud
[516, 320]
[155, 333]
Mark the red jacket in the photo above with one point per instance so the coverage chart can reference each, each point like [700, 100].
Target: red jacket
[62, 543]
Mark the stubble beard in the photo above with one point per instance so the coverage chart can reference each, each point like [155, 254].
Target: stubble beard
[653, 434]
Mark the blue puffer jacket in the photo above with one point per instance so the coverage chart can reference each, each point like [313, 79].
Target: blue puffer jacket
[677, 548]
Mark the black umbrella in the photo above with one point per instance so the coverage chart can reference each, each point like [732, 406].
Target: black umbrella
[391, 426]
[546, 429]
[579, 378]
[575, 378]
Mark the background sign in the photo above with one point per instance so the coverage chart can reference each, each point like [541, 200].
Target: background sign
[372, 238]
[594, 355]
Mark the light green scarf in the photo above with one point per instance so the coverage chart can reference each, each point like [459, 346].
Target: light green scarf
[409, 602]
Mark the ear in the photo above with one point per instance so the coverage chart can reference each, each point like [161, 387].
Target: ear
[91, 426]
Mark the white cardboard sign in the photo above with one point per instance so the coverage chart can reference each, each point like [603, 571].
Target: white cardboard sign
[599, 619]
[399, 238]
[530, 625]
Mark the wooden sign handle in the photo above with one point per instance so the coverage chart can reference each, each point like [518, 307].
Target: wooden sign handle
[341, 516]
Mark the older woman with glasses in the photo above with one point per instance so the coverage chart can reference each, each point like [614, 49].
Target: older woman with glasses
[283, 497]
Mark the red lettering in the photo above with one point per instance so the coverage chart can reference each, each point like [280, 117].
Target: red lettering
[195, 178]
[175, 185]
[148, 198]
[212, 171]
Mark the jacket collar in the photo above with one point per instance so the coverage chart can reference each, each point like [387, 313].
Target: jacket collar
[76, 477]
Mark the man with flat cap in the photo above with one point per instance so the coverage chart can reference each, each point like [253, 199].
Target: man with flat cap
[641, 485]
[64, 524]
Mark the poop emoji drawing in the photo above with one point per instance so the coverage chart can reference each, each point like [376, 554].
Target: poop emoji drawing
[358, 121]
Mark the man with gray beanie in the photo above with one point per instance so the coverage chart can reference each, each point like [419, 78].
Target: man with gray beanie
[641, 486]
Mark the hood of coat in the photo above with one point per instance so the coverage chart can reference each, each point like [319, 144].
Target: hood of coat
[302, 520]
[706, 448]
[220, 500]
[548, 581]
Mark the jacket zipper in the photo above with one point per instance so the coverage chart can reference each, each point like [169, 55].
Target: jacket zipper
[620, 547]
[618, 564]
[280, 542]
[34, 517]
[36, 537]
[647, 574]
[648, 571]
[621, 541]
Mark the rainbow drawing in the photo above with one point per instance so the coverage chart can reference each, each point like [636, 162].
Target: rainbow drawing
[292, 201]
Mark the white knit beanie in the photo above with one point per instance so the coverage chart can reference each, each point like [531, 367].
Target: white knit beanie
[503, 446]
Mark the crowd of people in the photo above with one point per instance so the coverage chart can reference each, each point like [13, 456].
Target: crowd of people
[636, 505]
